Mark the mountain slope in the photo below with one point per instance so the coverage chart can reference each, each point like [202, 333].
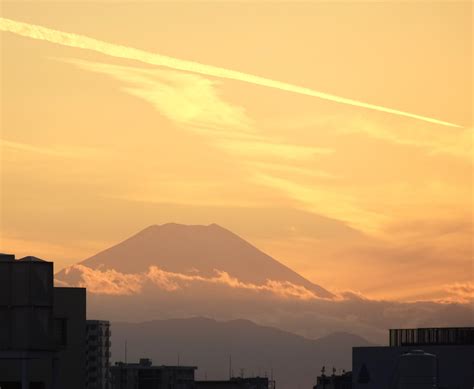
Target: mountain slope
[195, 250]
[208, 344]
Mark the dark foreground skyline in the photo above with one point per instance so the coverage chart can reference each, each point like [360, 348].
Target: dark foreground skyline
[47, 343]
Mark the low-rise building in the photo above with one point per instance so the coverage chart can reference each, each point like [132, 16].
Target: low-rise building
[143, 375]
[238, 383]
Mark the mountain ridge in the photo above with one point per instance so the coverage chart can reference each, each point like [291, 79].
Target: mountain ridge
[208, 344]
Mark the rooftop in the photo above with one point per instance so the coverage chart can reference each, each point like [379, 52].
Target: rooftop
[432, 336]
[31, 258]
[146, 363]
[7, 257]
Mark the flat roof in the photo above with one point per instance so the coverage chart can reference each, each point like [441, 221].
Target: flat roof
[433, 328]
[143, 366]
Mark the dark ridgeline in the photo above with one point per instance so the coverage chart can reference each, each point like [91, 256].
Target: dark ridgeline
[209, 343]
[42, 328]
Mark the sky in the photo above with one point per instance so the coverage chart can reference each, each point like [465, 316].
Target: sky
[336, 137]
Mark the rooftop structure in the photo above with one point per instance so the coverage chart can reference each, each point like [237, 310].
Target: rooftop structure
[334, 381]
[431, 336]
[417, 358]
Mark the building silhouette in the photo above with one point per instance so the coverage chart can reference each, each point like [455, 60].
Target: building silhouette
[334, 381]
[98, 354]
[421, 358]
[238, 383]
[42, 328]
[143, 375]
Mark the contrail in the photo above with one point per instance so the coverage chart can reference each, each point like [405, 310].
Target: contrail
[119, 51]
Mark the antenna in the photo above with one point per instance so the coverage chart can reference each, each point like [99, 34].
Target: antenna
[178, 359]
[230, 366]
[125, 350]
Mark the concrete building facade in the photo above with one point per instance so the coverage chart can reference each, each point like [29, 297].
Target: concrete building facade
[42, 337]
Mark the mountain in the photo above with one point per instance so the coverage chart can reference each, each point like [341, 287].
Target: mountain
[258, 350]
[195, 250]
[176, 271]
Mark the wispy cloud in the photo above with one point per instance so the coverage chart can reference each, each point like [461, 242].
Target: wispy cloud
[61, 152]
[327, 201]
[187, 99]
[460, 292]
[458, 143]
[120, 51]
[259, 149]
[194, 103]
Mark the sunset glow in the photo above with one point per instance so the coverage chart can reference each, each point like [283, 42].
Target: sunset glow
[344, 153]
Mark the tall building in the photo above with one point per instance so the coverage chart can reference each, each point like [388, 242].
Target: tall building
[98, 354]
[144, 375]
[417, 358]
[42, 328]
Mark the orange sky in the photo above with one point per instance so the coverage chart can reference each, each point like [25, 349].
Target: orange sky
[95, 147]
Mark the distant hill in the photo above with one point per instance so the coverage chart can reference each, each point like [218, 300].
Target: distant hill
[208, 344]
